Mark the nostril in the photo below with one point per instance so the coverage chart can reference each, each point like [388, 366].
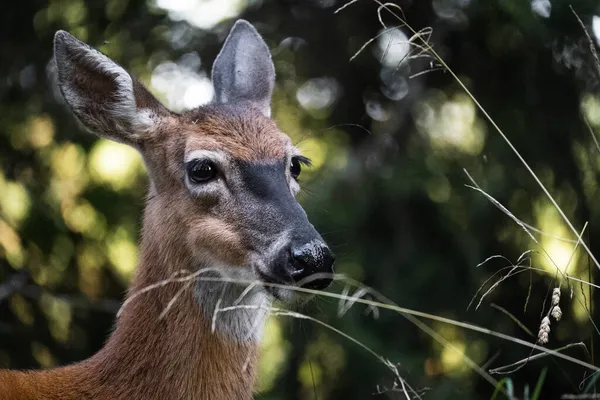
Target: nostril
[301, 255]
[310, 259]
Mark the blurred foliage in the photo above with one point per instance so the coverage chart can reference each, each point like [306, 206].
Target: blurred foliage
[389, 137]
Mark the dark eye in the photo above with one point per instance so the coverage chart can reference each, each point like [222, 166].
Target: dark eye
[296, 165]
[201, 171]
[295, 168]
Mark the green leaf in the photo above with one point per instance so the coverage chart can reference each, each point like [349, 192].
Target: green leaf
[507, 382]
[539, 384]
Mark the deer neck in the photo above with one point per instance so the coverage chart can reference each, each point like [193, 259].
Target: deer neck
[190, 349]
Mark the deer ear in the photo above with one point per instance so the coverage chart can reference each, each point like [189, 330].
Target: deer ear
[243, 70]
[101, 94]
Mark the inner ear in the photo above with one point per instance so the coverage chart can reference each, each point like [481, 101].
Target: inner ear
[103, 96]
[101, 86]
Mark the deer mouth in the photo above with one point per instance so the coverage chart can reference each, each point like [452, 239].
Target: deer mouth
[285, 289]
[274, 285]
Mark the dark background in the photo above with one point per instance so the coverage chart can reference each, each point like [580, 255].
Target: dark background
[390, 141]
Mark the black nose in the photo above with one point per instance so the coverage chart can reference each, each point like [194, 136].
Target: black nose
[310, 259]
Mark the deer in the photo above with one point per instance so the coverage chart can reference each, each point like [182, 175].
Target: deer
[222, 186]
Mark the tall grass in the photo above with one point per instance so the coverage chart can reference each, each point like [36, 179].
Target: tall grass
[355, 293]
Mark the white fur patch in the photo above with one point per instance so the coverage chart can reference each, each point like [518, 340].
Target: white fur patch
[144, 120]
[246, 305]
[287, 295]
[217, 156]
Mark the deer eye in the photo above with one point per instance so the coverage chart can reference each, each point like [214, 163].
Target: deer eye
[201, 171]
[295, 168]
[296, 165]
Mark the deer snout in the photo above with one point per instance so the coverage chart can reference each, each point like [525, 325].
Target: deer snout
[312, 264]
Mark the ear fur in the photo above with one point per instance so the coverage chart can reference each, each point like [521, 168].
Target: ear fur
[243, 70]
[101, 94]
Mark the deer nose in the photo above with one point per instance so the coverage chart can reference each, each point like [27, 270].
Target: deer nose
[310, 259]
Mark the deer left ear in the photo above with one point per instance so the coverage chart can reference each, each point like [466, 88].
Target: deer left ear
[243, 70]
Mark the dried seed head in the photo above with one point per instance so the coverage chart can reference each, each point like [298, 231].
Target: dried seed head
[544, 331]
[545, 324]
[555, 296]
[556, 313]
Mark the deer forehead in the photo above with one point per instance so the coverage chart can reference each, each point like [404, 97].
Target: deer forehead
[243, 136]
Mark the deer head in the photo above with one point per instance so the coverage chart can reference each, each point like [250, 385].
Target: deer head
[223, 177]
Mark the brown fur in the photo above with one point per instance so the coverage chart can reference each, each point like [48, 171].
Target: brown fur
[245, 134]
[177, 357]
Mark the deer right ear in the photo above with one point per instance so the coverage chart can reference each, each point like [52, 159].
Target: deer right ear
[243, 70]
[101, 94]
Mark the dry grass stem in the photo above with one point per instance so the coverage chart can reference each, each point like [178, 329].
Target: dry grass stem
[591, 130]
[383, 303]
[513, 318]
[506, 369]
[294, 314]
[589, 40]
[393, 10]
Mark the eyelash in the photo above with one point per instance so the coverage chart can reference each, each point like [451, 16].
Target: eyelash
[304, 160]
